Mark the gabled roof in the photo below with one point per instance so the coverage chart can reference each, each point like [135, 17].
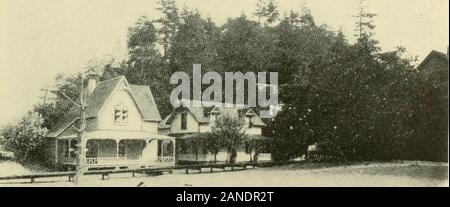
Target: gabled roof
[199, 114]
[141, 95]
[433, 54]
[146, 102]
[69, 118]
[236, 111]
[100, 95]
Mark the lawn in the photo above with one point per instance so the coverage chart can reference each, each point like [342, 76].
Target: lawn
[298, 175]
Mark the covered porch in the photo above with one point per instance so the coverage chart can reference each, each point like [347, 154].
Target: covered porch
[118, 149]
[192, 148]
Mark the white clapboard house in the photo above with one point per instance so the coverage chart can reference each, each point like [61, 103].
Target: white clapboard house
[122, 129]
[186, 122]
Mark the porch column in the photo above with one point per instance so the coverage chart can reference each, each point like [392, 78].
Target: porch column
[144, 153]
[117, 147]
[162, 148]
[174, 150]
[56, 150]
[68, 148]
[83, 144]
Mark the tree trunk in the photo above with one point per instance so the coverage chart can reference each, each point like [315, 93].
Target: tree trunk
[79, 172]
[80, 155]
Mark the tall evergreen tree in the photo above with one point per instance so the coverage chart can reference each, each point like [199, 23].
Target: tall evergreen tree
[169, 24]
[268, 10]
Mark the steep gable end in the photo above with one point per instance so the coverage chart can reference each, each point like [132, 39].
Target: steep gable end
[100, 95]
[141, 99]
[146, 102]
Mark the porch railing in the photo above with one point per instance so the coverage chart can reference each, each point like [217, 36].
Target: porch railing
[106, 160]
[129, 161]
[165, 159]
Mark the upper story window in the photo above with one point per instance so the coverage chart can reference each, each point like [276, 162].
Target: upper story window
[250, 123]
[184, 120]
[120, 114]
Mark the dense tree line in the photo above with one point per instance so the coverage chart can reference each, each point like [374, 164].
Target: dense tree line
[356, 102]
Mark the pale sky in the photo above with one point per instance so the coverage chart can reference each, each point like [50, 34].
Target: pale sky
[41, 38]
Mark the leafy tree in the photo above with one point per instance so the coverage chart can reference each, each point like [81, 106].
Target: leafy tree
[245, 46]
[213, 144]
[194, 43]
[65, 88]
[351, 99]
[169, 23]
[297, 47]
[142, 34]
[145, 64]
[364, 29]
[50, 114]
[306, 18]
[24, 138]
[230, 134]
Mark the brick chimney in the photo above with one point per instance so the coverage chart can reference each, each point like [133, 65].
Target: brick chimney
[92, 83]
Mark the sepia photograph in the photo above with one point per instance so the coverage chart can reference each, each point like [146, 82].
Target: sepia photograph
[224, 93]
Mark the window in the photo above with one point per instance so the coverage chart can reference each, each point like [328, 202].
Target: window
[122, 150]
[248, 148]
[73, 148]
[184, 120]
[66, 148]
[250, 123]
[183, 146]
[241, 113]
[120, 114]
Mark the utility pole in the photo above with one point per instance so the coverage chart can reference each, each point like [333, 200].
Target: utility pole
[45, 90]
[81, 131]
[46, 94]
[79, 171]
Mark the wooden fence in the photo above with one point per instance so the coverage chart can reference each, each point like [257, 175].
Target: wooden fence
[149, 170]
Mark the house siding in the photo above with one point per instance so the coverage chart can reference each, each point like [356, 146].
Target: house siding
[106, 118]
[204, 128]
[189, 154]
[150, 126]
[253, 131]
[192, 124]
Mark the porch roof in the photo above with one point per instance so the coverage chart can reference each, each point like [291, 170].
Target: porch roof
[113, 134]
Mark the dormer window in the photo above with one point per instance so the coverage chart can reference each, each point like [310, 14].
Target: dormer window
[120, 114]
